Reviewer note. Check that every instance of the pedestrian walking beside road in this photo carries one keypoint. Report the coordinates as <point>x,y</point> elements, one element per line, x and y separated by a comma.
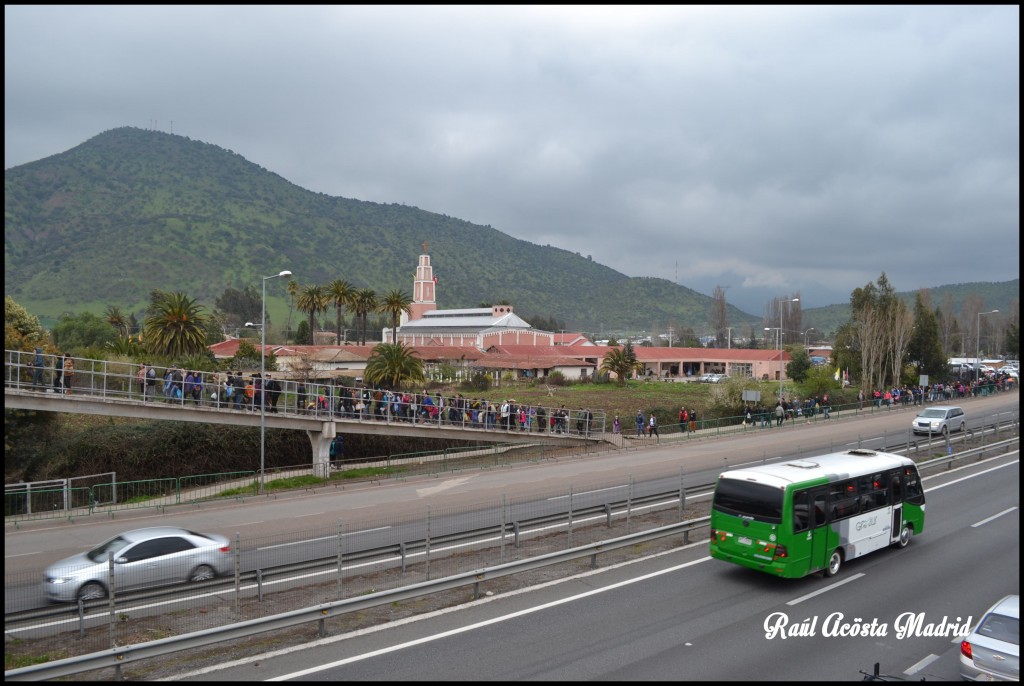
<point>652,426</point>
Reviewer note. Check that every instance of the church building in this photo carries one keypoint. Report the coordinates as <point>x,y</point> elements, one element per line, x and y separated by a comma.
<point>481,328</point>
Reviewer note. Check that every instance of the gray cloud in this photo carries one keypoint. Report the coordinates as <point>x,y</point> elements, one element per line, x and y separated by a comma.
<point>774,151</point>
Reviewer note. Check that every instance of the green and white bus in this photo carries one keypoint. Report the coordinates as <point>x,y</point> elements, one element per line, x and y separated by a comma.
<point>795,518</point>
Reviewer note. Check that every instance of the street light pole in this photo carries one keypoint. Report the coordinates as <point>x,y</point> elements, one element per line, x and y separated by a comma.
<point>807,332</point>
<point>263,370</point>
<point>977,349</point>
<point>781,311</point>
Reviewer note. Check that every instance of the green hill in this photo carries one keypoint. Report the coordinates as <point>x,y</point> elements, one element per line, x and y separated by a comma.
<point>133,210</point>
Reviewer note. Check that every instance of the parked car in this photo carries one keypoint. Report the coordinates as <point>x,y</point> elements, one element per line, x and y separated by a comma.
<point>940,419</point>
<point>712,377</point>
<point>991,651</point>
<point>155,556</point>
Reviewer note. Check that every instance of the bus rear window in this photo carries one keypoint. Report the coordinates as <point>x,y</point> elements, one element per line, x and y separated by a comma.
<point>746,499</point>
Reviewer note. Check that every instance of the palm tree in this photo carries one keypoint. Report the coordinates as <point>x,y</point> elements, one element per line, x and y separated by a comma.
<point>293,292</point>
<point>395,302</point>
<point>340,291</point>
<point>393,365</point>
<point>117,319</point>
<point>618,362</point>
<point>312,300</point>
<point>364,301</point>
<point>175,325</point>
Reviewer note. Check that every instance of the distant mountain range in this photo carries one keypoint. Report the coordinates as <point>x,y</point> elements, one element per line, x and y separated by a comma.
<point>131,210</point>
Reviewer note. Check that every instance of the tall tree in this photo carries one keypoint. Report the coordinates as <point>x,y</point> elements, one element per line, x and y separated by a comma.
<point>175,325</point>
<point>719,317</point>
<point>340,292</point>
<point>22,330</point>
<point>393,304</point>
<point>292,289</point>
<point>312,300</point>
<point>116,318</point>
<point>75,332</point>
<point>925,351</point>
<point>882,324</point>
<point>363,303</point>
<point>240,306</point>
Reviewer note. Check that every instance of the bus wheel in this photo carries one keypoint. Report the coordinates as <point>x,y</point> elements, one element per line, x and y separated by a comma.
<point>905,534</point>
<point>835,561</point>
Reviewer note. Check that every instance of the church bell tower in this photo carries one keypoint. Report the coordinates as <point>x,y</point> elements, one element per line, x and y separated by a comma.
<point>423,287</point>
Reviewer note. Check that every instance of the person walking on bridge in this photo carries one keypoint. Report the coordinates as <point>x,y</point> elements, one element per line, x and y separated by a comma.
<point>58,373</point>
<point>69,372</point>
<point>37,369</point>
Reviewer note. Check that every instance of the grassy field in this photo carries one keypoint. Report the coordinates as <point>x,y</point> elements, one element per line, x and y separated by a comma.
<point>663,399</point>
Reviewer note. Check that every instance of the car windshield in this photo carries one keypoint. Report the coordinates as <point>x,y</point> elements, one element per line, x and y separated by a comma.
<point>1001,628</point>
<point>933,414</point>
<point>99,553</point>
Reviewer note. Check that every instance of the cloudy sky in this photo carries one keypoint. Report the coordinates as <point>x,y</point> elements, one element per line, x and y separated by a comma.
<point>771,151</point>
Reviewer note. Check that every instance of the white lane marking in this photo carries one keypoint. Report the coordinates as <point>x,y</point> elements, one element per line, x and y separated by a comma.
<point>579,493</point>
<point>965,478</point>
<point>837,584</point>
<point>322,538</point>
<point>478,625</point>
<point>922,664</point>
<point>989,519</point>
<point>450,483</point>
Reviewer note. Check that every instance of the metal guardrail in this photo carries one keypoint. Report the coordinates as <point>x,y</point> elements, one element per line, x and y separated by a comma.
<point>122,655</point>
<point>395,551</point>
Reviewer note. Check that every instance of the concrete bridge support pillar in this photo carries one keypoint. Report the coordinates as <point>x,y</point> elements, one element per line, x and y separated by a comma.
<point>321,441</point>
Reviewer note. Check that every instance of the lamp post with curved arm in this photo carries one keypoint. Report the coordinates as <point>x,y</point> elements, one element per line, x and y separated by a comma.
<point>809,329</point>
<point>263,370</point>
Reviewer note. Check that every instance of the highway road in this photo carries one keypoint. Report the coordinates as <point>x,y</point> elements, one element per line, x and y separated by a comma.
<point>32,545</point>
<point>681,616</point>
<point>363,507</point>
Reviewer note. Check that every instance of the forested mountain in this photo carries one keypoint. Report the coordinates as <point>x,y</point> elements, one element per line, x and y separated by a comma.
<point>133,210</point>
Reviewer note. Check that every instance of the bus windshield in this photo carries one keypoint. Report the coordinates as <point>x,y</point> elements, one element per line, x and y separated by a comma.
<point>745,499</point>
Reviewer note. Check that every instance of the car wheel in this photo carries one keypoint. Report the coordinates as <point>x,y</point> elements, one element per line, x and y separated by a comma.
<point>945,430</point>
<point>202,573</point>
<point>835,561</point>
<point>905,533</point>
<point>962,427</point>
<point>92,590</point>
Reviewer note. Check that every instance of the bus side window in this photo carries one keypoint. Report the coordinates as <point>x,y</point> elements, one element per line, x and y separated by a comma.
<point>801,517</point>
<point>874,492</point>
<point>819,508</point>
<point>844,499</point>
<point>897,489</point>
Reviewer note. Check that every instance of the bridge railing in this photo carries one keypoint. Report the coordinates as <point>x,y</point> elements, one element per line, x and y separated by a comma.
<point>222,391</point>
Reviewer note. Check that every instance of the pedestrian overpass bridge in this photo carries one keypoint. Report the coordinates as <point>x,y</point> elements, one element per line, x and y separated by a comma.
<point>111,389</point>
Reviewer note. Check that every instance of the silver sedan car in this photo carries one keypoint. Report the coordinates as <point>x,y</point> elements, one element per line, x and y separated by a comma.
<point>142,558</point>
<point>991,652</point>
